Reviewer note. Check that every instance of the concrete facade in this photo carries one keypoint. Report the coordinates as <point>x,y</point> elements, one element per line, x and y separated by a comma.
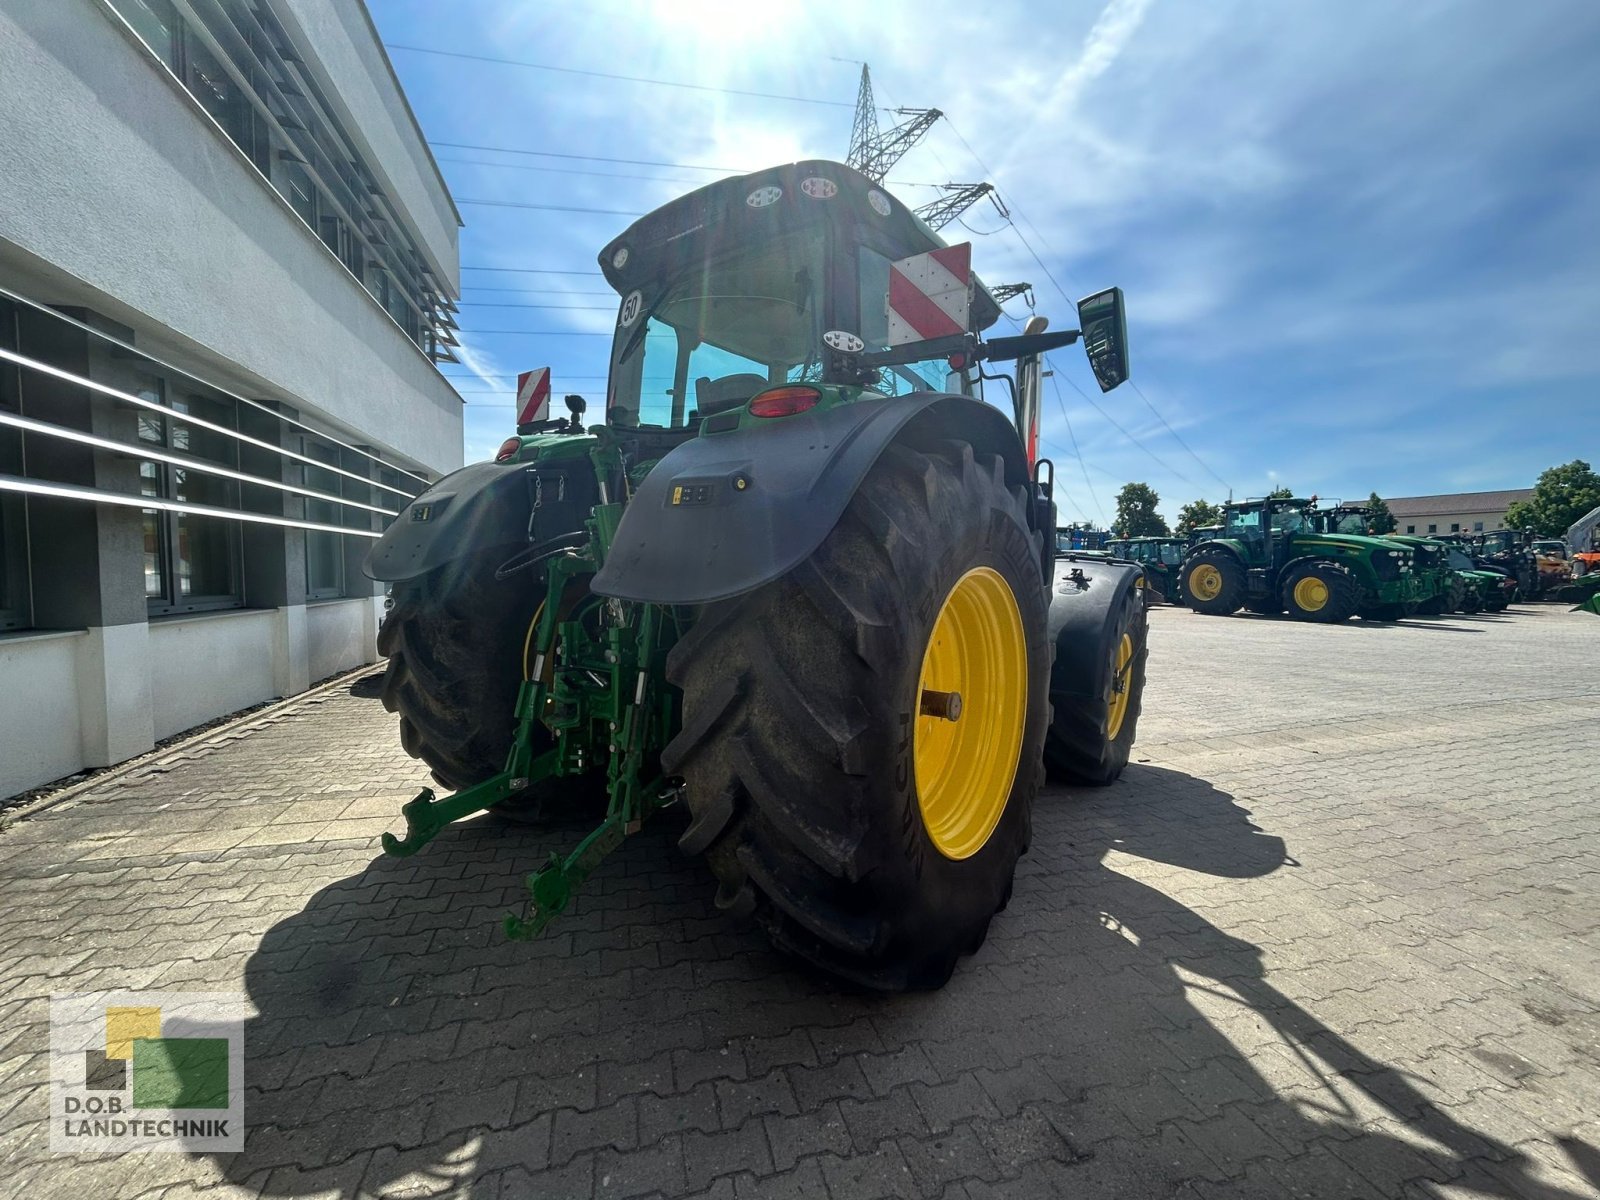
<point>145,253</point>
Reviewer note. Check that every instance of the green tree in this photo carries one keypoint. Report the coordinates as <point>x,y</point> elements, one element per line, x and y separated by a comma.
<point>1195,514</point>
<point>1561,495</point>
<point>1280,493</point>
<point>1136,512</point>
<point>1381,520</point>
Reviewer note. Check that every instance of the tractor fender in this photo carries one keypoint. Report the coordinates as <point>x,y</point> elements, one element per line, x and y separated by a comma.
<point>485,504</point>
<point>724,514</point>
<point>1086,597</point>
<point>1344,564</point>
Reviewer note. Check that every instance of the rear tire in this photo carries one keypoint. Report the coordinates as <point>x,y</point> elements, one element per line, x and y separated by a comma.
<point>454,639</point>
<point>1081,746</point>
<point>800,737</point>
<point>1219,595</point>
<point>1335,600</point>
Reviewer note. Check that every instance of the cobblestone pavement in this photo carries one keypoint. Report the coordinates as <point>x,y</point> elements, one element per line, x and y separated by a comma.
<point>1334,934</point>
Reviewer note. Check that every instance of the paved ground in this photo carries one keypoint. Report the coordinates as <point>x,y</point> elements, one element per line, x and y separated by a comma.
<point>1334,935</point>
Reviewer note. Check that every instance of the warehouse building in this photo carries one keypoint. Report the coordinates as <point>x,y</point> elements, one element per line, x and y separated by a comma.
<point>228,265</point>
<point>1459,512</point>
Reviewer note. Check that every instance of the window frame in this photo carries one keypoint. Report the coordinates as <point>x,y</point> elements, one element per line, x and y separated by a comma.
<point>16,579</point>
<point>170,601</point>
<point>328,512</point>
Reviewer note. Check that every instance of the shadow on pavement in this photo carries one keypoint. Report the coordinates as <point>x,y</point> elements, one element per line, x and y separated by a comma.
<point>402,1043</point>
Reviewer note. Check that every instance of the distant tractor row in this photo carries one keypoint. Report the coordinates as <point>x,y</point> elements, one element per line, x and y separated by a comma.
<point>1322,564</point>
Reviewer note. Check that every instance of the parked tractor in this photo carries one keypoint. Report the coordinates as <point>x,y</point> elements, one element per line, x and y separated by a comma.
<point>1443,584</point>
<point>1496,588</point>
<point>1509,551</point>
<point>1270,558</point>
<point>802,579</point>
<point>1161,558</point>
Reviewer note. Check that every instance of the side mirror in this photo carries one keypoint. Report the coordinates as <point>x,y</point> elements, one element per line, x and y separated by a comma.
<point>1105,336</point>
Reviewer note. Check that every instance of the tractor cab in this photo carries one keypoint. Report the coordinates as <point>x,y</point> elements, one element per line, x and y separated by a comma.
<point>734,288</point>
<point>1344,518</point>
<point>1267,529</point>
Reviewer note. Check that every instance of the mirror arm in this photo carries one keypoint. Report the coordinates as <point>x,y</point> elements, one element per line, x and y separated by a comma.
<point>1002,349</point>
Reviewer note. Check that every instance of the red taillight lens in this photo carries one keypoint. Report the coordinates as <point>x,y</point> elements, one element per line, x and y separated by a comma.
<point>509,449</point>
<point>784,401</point>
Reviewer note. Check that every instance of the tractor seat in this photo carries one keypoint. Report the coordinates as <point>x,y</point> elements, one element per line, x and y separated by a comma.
<point>719,395</point>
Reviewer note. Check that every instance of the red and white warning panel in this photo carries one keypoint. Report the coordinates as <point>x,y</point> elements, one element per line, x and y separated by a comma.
<point>533,396</point>
<point>930,295</point>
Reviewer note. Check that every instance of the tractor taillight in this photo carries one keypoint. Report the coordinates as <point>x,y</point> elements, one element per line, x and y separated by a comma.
<point>509,449</point>
<point>784,401</point>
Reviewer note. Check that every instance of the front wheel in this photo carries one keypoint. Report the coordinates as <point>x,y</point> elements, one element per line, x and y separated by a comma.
<point>1214,582</point>
<point>1091,736</point>
<point>862,739</point>
<point>1322,592</point>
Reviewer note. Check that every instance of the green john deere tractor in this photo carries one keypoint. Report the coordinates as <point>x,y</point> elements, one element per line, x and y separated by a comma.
<point>1496,585</point>
<point>1270,557</point>
<point>802,579</point>
<point>1162,558</point>
<point>1445,583</point>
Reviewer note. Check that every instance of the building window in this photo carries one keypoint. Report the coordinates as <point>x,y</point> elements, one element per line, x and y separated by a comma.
<point>324,551</point>
<point>15,600</point>
<point>1433,529</point>
<point>300,192</point>
<point>322,176</point>
<point>1411,528</point>
<point>1455,527</point>
<point>191,561</point>
<point>1477,527</point>
<point>157,26</point>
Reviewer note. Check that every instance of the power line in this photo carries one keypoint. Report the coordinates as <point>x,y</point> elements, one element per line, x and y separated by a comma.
<point>564,307</point>
<point>1114,424</point>
<point>1177,437</point>
<point>1057,284</point>
<point>608,212</point>
<point>484,162</point>
<point>520,291</point>
<point>541,332</point>
<point>529,271</point>
<point>624,162</point>
<point>672,83</point>
<point>1082,466</point>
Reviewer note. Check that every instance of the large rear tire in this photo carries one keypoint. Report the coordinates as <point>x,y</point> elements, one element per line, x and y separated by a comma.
<point>455,640</point>
<point>1215,582</point>
<point>1091,738</point>
<point>821,793</point>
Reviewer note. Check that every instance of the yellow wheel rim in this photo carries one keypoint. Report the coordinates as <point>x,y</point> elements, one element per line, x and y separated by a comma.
<point>965,766</point>
<point>1205,582</point>
<point>1311,594</point>
<point>1120,679</point>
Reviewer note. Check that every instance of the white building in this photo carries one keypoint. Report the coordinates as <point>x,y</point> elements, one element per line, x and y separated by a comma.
<point>1458,512</point>
<point>227,267</point>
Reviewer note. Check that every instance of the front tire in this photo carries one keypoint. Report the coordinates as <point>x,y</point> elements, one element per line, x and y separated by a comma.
<point>817,786</point>
<point>1214,581</point>
<point>1091,737</point>
<point>1322,592</point>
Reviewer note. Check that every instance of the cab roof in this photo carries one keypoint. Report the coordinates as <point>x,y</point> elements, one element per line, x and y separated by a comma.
<point>664,242</point>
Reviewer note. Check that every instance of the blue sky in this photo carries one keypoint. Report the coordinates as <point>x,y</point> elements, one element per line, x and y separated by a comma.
<point>1360,242</point>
